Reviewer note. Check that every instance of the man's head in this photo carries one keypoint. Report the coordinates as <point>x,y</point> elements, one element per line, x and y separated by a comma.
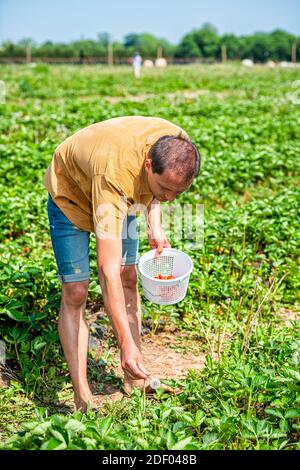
<point>171,166</point>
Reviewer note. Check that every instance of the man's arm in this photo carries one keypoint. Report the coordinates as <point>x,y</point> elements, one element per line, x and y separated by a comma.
<point>156,235</point>
<point>153,214</point>
<point>109,253</point>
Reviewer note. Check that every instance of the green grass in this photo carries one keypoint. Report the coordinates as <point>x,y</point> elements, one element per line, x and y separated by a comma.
<point>247,129</point>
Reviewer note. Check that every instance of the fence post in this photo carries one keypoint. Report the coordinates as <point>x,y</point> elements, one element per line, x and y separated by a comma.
<point>110,55</point>
<point>28,54</point>
<point>294,53</point>
<point>224,54</point>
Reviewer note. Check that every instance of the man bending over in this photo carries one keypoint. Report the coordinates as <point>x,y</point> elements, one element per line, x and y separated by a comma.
<point>96,179</point>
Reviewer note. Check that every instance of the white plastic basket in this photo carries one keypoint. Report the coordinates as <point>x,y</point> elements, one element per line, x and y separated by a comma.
<point>169,262</point>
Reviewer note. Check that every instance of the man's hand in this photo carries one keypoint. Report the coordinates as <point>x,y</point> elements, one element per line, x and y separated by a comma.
<point>132,363</point>
<point>157,238</point>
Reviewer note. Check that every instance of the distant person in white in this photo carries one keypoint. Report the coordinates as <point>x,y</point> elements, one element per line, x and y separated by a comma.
<point>136,64</point>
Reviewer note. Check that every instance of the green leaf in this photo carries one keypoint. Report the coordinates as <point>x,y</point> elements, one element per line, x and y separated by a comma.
<point>166,413</point>
<point>37,344</point>
<point>41,429</point>
<point>15,315</point>
<point>199,418</point>
<point>292,413</point>
<point>105,424</point>
<point>209,438</point>
<point>142,442</point>
<point>293,373</point>
<point>182,444</point>
<point>75,426</point>
<point>274,412</point>
<point>250,424</point>
<point>58,435</point>
<point>187,418</point>
<point>53,444</point>
<point>277,435</point>
<point>284,425</point>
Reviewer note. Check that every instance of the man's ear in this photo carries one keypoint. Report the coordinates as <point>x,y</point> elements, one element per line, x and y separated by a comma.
<point>148,163</point>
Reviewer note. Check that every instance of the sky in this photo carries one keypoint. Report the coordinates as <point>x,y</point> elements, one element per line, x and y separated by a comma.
<point>67,20</point>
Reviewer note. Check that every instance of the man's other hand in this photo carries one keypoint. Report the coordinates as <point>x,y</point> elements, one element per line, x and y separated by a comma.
<point>132,363</point>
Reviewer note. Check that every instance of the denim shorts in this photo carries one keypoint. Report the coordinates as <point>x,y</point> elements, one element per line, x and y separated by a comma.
<point>71,244</point>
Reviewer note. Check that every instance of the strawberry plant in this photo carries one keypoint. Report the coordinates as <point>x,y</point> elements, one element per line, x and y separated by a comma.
<point>248,133</point>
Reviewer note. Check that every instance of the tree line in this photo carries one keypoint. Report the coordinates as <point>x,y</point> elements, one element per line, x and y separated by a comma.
<point>203,43</point>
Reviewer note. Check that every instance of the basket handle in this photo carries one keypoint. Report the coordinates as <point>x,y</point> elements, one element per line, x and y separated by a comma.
<point>153,295</point>
<point>158,295</point>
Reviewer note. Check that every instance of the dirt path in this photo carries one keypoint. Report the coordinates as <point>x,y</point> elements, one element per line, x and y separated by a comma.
<point>289,316</point>
<point>172,97</point>
<point>169,354</point>
<point>165,362</point>
<point>160,359</point>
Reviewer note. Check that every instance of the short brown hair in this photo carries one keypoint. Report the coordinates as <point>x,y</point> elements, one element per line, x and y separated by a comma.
<point>177,154</point>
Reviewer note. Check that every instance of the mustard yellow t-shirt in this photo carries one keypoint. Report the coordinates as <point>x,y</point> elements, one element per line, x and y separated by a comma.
<point>97,174</point>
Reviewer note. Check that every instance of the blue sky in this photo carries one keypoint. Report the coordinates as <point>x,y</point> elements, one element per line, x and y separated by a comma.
<point>65,20</point>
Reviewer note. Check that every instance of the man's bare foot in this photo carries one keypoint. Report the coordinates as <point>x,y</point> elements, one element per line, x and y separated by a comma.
<point>149,391</point>
<point>129,384</point>
<point>82,402</point>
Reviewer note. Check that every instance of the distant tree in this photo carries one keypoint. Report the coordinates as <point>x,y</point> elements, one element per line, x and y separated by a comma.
<point>53,50</point>
<point>9,49</point>
<point>132,41</point>
<point>25,42</point>
<point>263,46</point>
<point>208,41</point>
<point>103,39</point>
<point>18,49</point>
<point>188,47</point>
<point>203,42</point>
<point>257,47</point>
<point>282,44</point>
<point>120,51</point>
<point>233,46</point>
<point>90,48</point>
<point>168,49</point>
<point>147,44</point>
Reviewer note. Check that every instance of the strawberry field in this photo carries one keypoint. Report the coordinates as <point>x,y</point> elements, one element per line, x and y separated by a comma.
<point>241,309</point>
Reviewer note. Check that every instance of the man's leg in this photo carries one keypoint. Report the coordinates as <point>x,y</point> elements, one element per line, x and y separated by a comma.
<point>73,333</point>
<point>71,249</point>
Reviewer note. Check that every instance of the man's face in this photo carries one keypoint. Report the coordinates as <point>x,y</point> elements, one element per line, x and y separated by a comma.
<point>167,186</point>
